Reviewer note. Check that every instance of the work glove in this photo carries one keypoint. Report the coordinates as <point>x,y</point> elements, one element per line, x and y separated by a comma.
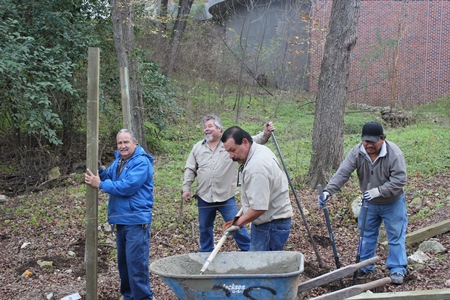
<point>232,230</point>
<point>229,224</point>
<point>323,199</point>
<point>371,194</point>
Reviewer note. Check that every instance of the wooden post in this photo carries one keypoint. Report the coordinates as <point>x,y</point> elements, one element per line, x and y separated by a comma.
<point>90,256</point>
<point>124,87</point>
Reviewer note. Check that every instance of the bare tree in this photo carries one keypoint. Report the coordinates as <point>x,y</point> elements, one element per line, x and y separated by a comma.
<point>164,17</point>
<point>328,136</point>
<point>122,13</point>
<point>184,8</point>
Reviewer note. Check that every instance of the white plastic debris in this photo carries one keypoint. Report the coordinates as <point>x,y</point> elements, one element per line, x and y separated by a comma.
<point>24,245</point>
<point>75,296</point>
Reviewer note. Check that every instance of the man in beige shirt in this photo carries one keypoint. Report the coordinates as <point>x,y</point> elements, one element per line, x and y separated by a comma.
<point>265,192</point>
<point>216,182</point>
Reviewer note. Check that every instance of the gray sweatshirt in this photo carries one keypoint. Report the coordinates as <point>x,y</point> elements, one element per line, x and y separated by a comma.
<point>388,172</point>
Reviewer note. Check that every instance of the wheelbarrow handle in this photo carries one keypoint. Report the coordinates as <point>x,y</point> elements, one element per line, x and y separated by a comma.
<point>354,290</point>
<point>333,275</point>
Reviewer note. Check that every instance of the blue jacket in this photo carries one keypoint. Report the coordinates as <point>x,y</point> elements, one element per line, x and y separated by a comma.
<point>130,194</point>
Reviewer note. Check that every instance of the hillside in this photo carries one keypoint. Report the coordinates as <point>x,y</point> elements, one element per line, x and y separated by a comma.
<point>49,226</point>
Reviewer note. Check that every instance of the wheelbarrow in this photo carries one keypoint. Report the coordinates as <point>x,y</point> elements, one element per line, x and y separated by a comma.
<point>270,275</point>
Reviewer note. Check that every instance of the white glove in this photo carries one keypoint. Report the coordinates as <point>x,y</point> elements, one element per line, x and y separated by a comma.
<point>232,230</point>
<point>323,200</point>
<point>371,194</point>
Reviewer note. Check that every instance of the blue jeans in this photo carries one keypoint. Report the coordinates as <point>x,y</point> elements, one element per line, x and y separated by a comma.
<point>133,255</point>
<point>394,216</point>
<point>270,236</point>
<point>206,217</point>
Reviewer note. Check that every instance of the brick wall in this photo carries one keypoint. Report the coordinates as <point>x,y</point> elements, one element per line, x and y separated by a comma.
<point>402,55</point>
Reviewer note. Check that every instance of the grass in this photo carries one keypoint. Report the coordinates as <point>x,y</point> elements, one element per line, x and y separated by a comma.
<point>424,144</point>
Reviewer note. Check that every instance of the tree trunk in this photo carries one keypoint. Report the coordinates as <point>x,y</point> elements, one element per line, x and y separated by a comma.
<point>184,8</point>
<point>122,13</point>
<point>164,17</point>
<point>328,136</point>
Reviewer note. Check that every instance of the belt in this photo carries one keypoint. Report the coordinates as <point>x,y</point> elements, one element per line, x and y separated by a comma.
<point>276,220</point>
<point>283,219</point>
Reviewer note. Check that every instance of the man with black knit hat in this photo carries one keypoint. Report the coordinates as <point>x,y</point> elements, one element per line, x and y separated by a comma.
<point>381,163</point>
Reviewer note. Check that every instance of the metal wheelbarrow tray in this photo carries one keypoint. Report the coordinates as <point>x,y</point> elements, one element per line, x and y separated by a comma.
<point>271,275</point>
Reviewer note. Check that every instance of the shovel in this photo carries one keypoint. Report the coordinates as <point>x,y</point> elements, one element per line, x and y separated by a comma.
<point>319,259</point>
<point>219,245</point>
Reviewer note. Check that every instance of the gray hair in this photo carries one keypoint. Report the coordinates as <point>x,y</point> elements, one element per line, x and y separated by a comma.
<point>216,119</point>
<point>127,131</point>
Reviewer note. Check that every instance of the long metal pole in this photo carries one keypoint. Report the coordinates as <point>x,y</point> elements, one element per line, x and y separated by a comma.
<point>297,200</point>
<point>364,207</point>
<point>330,233</point>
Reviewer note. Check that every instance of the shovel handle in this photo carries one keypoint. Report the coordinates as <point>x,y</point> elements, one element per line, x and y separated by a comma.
<point>214,253</point>
<point>240,212</point>
<point>218,246</point>
<point>319,187</point>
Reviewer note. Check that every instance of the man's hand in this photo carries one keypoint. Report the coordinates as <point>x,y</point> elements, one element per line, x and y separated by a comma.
<point>186,196</point>
<point>92,179</point>
<point>371,194</point>
<point>323,199</point>
<point>232,230</point>
<point>268,128</point>
<point>229,224</point>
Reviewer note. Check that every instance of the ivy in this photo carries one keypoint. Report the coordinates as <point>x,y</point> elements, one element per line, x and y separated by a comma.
<point>159,99</point>
<point>41,45</point>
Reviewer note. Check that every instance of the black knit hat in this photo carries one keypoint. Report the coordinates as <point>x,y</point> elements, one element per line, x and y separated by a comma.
<point>372,131</point>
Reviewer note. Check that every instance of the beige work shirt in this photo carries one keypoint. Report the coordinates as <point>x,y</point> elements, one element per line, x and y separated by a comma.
<point>216,172</point>
<point>265,185</point>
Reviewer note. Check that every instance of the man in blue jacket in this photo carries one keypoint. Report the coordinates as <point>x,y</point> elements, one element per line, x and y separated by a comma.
<point>129,183</point>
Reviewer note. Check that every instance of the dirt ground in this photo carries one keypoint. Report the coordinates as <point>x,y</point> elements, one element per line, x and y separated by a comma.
<point>63,243</point>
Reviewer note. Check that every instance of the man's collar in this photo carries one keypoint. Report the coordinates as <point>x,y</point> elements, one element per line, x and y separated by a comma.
<point>383,150</point>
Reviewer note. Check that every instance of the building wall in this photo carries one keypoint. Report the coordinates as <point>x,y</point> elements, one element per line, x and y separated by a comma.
<point>271,37</point>
<point>402,55</point>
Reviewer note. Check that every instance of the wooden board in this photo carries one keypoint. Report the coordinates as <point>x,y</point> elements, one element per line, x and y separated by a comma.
<point>423,233</point>
<point>439,294</point>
